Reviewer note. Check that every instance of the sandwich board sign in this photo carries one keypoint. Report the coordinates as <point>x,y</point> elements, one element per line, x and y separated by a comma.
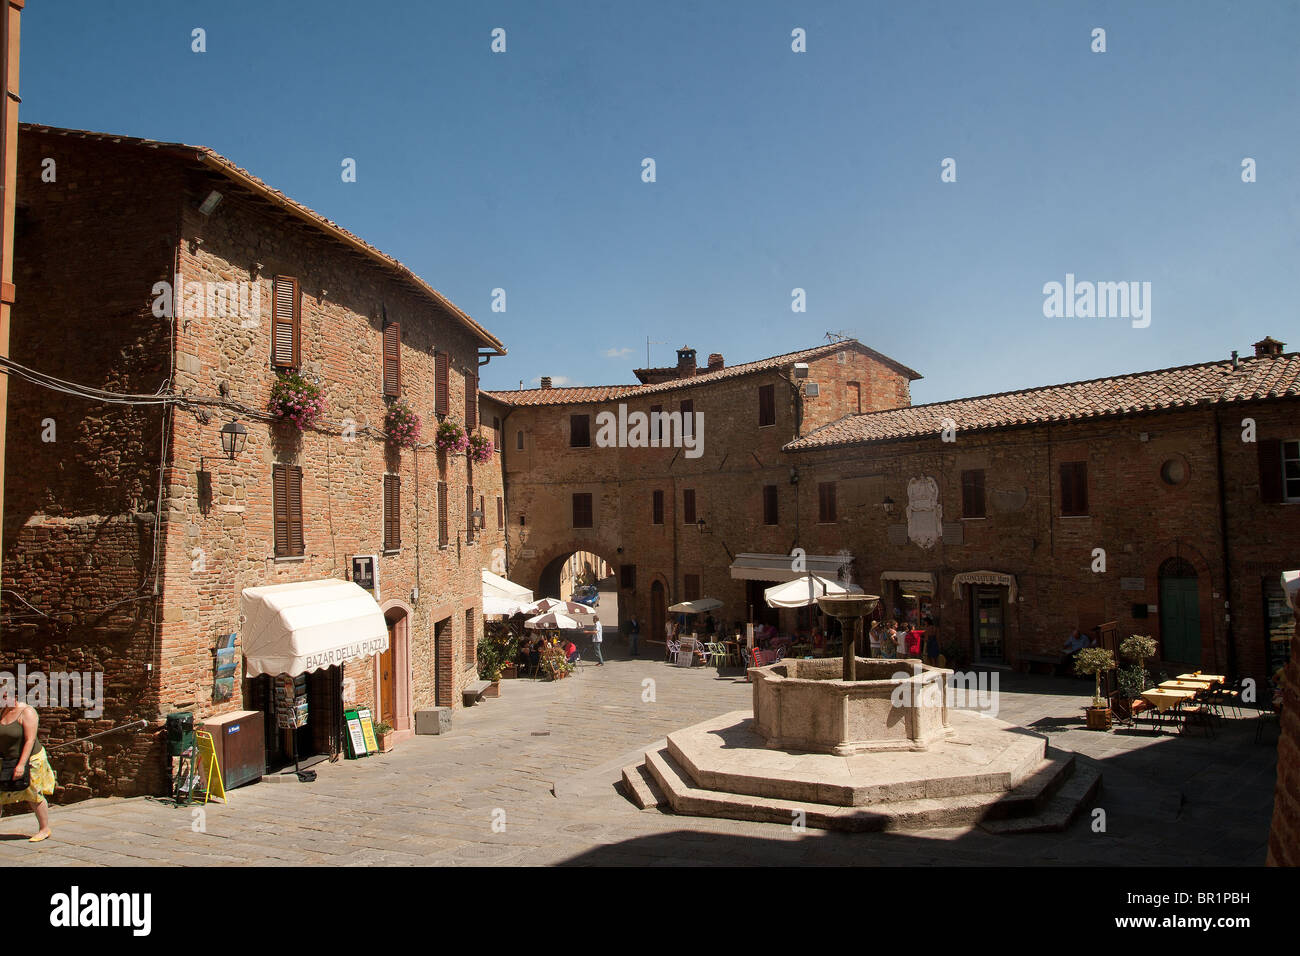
<point>368,730</point>
<point>356,739</point>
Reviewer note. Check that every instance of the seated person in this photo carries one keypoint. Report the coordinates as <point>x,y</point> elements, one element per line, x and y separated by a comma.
<point>570,651</point>
<point>1070,649</point>
<point>534,653</point>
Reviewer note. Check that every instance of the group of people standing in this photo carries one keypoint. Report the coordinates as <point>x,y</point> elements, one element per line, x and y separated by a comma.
<point>890,639</point>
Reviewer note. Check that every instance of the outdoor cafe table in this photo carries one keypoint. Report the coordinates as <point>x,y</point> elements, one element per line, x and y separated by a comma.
<point>1162,699</point>
<point>1211,678</point>
<point>1195,685</point>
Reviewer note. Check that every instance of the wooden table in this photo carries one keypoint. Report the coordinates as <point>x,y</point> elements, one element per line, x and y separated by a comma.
<point>1165,701</point>
<point>1212,678</point>
<point>1197,685</point>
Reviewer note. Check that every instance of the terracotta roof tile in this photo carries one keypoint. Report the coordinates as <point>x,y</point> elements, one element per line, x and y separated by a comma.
<point>1190,385</point>
<point>601,393</point>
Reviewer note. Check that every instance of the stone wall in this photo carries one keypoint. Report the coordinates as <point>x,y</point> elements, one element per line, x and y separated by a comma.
<point>1284,838</point>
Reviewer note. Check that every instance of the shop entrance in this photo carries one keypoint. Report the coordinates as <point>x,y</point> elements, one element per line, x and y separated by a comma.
<point>658,612</point>
<point>393,672</point>
<point>321,733</point>
<point>987,625</point>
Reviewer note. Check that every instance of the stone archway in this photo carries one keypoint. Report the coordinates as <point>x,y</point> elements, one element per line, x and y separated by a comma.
<point>1177,560</point>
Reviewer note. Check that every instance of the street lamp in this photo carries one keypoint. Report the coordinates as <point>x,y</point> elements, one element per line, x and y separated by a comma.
<point>233,438</point>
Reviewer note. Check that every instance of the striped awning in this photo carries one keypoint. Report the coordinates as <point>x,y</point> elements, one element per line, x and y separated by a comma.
<point>994,578</point>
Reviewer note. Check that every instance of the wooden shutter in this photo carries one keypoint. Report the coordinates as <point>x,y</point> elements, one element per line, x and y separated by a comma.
<point>392,512</point>
<point>1270,470</point>
<point>582,511</point>
<point>688,506</point>
<point>501,513</point>
<point>579,431</point>
<point>441,402</point>
<point>691,585</point>
<point>826,502</point>
<point>657,508</point>
<point>286,313</point>
<point>767,405</point>
<point>393,359</point>
<point>688,418</point>
<point>471,400</point>
<point>443,524</point>
<point>972,493</point>
<point>293,510</point>
<point>627,577</point>
<point>280,498</point>
<point>469,514</point>
<point>656,423</point>
<point>769,505</point>
<point>1074,488</point>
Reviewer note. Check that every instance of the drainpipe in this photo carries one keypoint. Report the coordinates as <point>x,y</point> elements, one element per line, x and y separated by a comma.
<point>1226,557</point>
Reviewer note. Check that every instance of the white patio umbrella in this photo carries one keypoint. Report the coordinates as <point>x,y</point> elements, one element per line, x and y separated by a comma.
<point>493,605</point>
<point>554,619</point>
<point>569,608</point>
<point>805,590</point>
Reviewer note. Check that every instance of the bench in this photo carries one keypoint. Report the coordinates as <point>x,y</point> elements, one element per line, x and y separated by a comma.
<point>1027,662</point>
<point>473,692</point>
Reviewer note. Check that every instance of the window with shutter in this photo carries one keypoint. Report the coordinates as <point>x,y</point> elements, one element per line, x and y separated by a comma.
<point>657,508</point>
<point>579,431</point>
<point>688,506</point>
<point>691,585</point>
<point>286,507</point>
<point>688,418</point>
<point>1272,486</point>
<point>766,405</point>
<point>627,577</point>
<point>656,422</point>
<point>441,387</point>
<point>501,513</point>
<point>972,493</point>
<point>469,514</point>
<point>769,504</point>
<point>392,512</point>
<point>1291,470</point>
<point>519,440</point>
<point>854,397</point>
<point>286,316</point>
<point>582,514</point>
<point>1074,488</point>
<point>471,400</point>
<point>826,502</point>
<point>393,359</point>
<point>444,532</point>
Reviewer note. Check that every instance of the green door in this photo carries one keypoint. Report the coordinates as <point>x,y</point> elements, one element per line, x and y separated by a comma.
<point>1180,619</point>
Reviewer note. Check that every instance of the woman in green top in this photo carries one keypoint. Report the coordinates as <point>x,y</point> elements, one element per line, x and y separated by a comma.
<point>18,725</point>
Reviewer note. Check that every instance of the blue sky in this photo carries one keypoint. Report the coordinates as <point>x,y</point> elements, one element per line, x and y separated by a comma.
<point>775,170</point>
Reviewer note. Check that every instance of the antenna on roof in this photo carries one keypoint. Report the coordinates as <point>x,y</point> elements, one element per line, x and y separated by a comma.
<point>649,343</point>
<point>837,336</point>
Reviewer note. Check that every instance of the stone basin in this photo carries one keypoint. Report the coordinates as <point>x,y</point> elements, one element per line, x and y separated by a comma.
<point>803,705</point>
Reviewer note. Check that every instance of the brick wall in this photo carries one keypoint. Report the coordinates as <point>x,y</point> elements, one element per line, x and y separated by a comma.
<point>81,513</point>
<point>1284,838</point>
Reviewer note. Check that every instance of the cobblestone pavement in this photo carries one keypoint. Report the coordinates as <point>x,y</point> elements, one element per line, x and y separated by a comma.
<point>544,757</point>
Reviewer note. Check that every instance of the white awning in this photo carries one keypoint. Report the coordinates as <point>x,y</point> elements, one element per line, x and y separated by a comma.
<point>804,591</point>
<point>500,587</point>
<point>922,580</point>
<point>698,606</point>
<point>780,567</point>
<point>298,628</point>
<point>995,578</point>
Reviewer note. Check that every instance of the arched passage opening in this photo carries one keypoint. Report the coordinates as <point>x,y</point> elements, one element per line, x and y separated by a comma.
<point>586,577</point>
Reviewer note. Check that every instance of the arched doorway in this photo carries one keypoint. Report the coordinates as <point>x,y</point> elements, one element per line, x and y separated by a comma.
<point>393,671</point>
<point>1180,613</point>
<point>586,577</point>
<point>658,611</point>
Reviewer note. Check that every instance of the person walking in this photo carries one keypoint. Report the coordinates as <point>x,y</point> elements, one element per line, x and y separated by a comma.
<point>633,634</point>
<point>597,639</point>
<point>22,758</point>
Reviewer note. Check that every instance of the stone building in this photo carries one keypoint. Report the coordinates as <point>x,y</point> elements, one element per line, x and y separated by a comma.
<point>1163,501</point>
<point>152,269</point>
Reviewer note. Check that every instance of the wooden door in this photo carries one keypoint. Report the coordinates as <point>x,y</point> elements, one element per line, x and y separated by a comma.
<point>1180,615</point>
<point>658,612</point>
<point>387,681</point>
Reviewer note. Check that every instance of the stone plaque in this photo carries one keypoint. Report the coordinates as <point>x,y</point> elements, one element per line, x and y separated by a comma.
<point>1132,584</point>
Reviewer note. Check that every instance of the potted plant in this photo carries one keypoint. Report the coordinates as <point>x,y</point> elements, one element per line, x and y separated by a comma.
<point>1138,647</point>
<point>481,448</point>
<point>451,437</point>
<point>1095,661</point>
<point>296,400</point>
<point>384,736</point>
<point>402,425</point>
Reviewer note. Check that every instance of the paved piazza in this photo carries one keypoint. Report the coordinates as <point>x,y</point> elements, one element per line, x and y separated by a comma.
<point>547,756</point>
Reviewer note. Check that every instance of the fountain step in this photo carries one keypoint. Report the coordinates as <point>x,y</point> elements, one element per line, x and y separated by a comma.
<point>726,754</point>
<point>1059,811</point>
<point>959,811</point>
<point>641,788</point>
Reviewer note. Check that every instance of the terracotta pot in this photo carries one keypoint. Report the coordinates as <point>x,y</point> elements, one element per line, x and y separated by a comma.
<point>385,742</point>
<point>494,689</point>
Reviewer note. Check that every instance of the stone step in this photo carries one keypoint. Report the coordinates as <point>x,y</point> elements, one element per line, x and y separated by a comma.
<point>642,788</point>
<point>1016,764</point>
<point>955,811</point>
<point>1059,811</point>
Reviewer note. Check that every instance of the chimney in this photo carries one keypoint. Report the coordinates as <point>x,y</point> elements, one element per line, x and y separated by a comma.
<point>715,361</point>
<point>685,362</point>
<point>546,381</point>
<point>1267,346</point>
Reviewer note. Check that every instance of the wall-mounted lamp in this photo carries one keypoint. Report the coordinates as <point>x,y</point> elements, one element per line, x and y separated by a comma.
<point>477,517</point>
<point>209,204</point>
<point>233,438</point>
